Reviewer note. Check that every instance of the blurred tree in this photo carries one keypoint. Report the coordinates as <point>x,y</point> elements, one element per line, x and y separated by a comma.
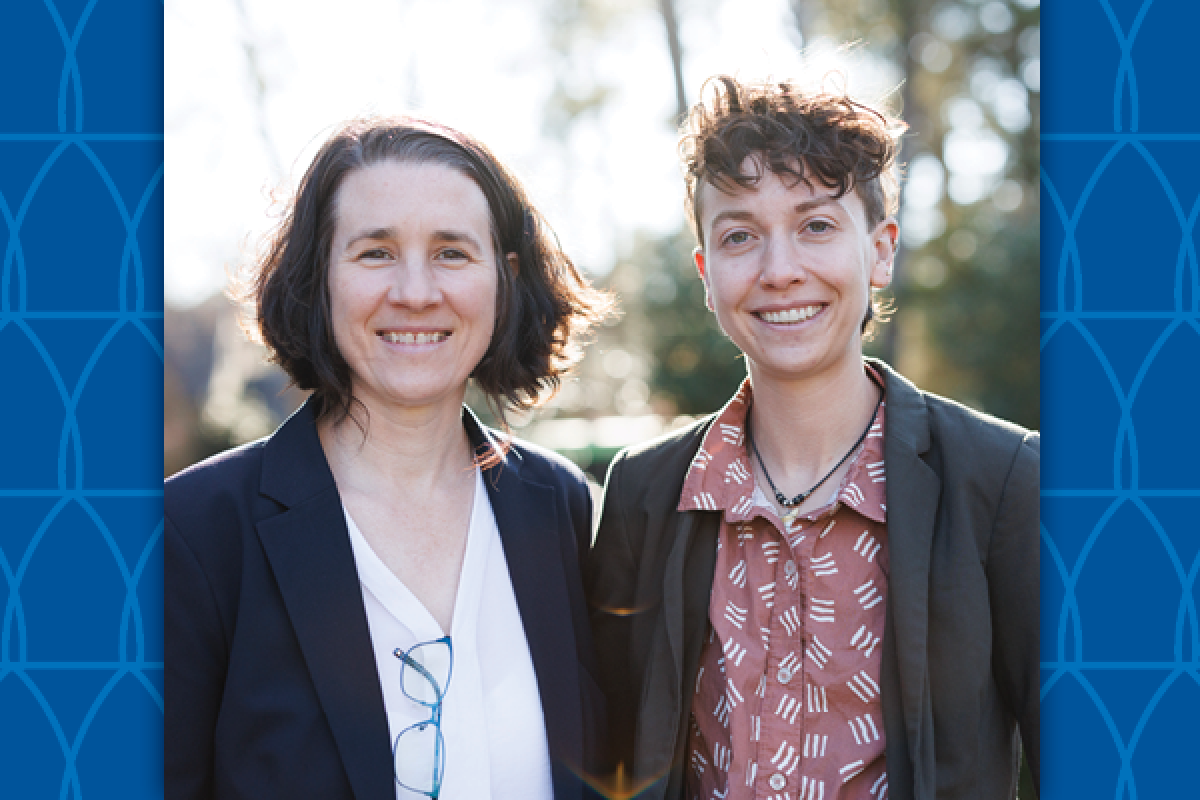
<point>671,26</point>
<point>971,206</point>
<point>575,31</point>
<point>695,369</point>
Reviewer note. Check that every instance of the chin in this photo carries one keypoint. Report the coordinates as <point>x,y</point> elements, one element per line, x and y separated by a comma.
<point>796,367</point>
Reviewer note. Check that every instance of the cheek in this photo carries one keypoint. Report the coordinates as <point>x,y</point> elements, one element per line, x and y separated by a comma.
<point>343,301</point>
<point>477,303</point>
<point>489,294</point>
<point>726,287</point>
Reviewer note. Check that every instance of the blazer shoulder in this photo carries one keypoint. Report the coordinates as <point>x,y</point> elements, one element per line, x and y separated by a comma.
<point>231,470</point>
<point>978,450</point>
<point>543,465</point>
<point>656,468</point>
<point>953,422</point>
<point>218,497</point>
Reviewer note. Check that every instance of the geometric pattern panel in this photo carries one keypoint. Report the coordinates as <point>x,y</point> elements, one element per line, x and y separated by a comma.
<point>81,356</point>
<point>1120,348</point>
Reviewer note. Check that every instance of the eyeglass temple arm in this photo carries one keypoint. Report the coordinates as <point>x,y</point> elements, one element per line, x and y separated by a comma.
<point>410,661</point>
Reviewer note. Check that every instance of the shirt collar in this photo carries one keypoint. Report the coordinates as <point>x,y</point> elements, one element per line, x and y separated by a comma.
<point>720,477</point>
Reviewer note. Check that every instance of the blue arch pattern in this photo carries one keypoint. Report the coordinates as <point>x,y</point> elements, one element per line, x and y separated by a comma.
<point>81,673</point>
<point>1120,346</point>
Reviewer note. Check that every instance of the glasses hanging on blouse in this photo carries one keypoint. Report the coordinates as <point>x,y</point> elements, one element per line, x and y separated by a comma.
<point>419,752</point>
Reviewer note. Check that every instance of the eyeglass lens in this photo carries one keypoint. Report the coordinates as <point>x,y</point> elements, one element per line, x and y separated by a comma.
<point>420,758</point>
<point>425,674</point>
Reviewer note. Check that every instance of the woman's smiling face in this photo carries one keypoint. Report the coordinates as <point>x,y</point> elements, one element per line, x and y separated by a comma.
<point>412,283</point>
<point>789,269</point>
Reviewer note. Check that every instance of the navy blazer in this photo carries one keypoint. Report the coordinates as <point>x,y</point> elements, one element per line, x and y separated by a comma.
<point>271,683</point>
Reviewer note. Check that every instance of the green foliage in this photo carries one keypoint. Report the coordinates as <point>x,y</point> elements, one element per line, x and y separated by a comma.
<point>975,284</point>
<point>696,368</point>
<point>984,319</point>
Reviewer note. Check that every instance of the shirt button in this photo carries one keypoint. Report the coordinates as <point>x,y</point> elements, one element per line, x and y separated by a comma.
<point>777,782</point>
<point>785,675</point>
<point>789,568</point>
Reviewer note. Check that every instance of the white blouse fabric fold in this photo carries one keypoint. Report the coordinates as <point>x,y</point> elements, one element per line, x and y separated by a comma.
<point>492,724</point>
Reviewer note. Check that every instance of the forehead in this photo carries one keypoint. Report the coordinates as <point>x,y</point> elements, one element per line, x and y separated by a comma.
<point>771,194</point>
<point>394,192</point>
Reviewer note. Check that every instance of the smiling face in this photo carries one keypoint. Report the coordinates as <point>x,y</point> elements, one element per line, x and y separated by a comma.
<point>412,283</point>
<point>788,271</point>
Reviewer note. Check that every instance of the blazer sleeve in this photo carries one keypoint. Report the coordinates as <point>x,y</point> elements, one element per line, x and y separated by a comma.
<point>610,580</point>
<point>1013,576</point>
<point>196,655</point>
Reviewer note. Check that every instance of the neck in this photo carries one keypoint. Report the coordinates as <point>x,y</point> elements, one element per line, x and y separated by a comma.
<point>801,429</point>
<point>397,449</point>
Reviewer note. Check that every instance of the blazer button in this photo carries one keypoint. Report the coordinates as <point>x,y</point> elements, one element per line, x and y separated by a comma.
<point>777,782</point>
<point>784,675</point>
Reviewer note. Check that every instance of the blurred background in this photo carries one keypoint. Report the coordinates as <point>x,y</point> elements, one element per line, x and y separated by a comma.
<point>582,99</point>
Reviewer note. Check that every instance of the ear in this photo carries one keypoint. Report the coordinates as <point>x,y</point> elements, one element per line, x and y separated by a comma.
<point>698,257</point>
<point>513,263</point>
<point>883,243</point>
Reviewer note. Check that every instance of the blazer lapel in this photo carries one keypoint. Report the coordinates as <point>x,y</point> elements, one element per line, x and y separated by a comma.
<point>308,547</point>
<point>527,516</point>
<point>913,493</point>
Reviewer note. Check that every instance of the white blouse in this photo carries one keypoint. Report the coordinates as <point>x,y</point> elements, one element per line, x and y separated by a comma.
<point>492,726</point>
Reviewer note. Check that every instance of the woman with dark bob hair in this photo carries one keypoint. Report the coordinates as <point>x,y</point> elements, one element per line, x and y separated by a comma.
<point>382,599</point>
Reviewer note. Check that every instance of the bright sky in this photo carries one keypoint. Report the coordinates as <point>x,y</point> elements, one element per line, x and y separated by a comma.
<point>473,64</point>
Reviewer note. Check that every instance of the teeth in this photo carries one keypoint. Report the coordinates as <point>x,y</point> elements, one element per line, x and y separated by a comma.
<point>414,338</point>
<point>791,315</point>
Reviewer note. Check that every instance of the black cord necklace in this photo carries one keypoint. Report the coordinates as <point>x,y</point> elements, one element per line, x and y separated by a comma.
<point>780,497</point>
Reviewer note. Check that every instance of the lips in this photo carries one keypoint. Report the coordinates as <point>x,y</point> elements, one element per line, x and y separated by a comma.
<point>414,337</point>
<point>790,315</point>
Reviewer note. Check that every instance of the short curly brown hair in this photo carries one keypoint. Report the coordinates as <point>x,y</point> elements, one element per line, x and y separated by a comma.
<point>841,143</point>
<point>542,308</point>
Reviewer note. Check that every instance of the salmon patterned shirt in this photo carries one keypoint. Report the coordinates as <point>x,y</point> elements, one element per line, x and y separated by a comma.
<point>787,700</point>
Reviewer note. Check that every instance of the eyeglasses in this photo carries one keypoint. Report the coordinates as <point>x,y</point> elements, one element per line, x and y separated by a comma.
<point>419,753</point>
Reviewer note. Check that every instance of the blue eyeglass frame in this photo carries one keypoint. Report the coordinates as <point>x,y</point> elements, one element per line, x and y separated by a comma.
<point>435,713</point>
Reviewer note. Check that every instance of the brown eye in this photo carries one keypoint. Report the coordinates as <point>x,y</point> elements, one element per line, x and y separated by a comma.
<point>452,254</point>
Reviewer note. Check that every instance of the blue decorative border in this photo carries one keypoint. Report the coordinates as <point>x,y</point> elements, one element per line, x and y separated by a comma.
<point>81,332</point>
<point>1120,346</point>
<point>81,355</point>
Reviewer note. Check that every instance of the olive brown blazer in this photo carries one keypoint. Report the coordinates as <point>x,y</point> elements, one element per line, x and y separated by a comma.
<point>960,648</point>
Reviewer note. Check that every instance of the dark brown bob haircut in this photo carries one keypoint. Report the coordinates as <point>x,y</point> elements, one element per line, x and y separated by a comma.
<point>542,308</point>
<point>826,138</point>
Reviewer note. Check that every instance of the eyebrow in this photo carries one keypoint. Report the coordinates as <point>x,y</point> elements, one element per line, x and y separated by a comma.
<point>374,233</point>
<point>800,208</point>
<point>457,236</point>
<point>391,233</point>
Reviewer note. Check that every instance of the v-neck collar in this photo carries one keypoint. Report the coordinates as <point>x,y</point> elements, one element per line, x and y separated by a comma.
<point>399,600</point>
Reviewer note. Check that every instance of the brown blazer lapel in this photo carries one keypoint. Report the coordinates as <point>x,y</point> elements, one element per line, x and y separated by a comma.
<point>687,586</point>
<point>913,493</point>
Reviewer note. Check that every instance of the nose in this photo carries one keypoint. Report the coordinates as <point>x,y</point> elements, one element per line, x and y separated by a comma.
<point>414,285</point>
<point>782,265</point>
